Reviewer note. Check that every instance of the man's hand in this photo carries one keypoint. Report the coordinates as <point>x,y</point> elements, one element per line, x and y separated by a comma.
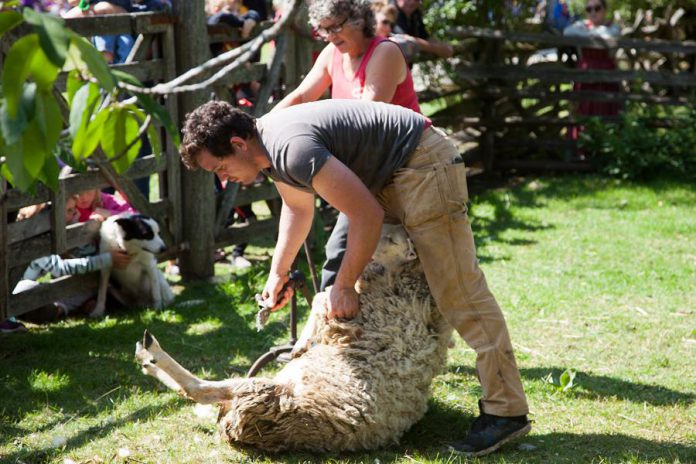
<point>120,259</point>
<point>271,295</point>
<point>343,302</point>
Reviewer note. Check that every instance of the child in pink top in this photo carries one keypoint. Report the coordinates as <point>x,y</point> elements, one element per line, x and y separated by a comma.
<point>95,204</point>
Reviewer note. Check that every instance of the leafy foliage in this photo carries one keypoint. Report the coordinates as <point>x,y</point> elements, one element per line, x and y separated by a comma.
<point>32,120</point>
<point>637,149</point>
<point>566,381</point>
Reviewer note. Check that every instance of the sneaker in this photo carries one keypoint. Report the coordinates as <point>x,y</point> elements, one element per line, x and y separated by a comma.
<point>9,326</point>
<point>489,432</point>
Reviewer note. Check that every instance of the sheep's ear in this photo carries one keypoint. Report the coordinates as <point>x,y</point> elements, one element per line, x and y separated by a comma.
<point>411,253</point>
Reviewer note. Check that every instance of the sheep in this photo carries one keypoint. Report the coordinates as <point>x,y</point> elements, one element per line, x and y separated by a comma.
<point>355,385</point>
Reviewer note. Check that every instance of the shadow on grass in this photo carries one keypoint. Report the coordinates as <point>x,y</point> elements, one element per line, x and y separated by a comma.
<point>81,368</point>
<point>85,436</point>
<point>443,425</point>
<point>593,386</point>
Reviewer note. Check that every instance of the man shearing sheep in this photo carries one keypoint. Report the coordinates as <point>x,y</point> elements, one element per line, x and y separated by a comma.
<point>373,162</point>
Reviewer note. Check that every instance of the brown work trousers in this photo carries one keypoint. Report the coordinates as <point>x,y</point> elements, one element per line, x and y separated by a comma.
<point>428,196</point>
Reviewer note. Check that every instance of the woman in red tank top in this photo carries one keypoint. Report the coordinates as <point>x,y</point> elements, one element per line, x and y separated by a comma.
<point>355,64</point>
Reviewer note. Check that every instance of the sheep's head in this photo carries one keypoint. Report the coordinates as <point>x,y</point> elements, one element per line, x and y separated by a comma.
<point>394,248</point>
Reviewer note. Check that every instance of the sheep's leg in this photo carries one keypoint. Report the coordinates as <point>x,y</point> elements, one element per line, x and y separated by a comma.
<point>157,363</point>
<point>304,342</point>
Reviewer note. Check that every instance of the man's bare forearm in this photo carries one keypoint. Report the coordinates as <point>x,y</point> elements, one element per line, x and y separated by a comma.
<point>363,235</point>
<point>294,226</point>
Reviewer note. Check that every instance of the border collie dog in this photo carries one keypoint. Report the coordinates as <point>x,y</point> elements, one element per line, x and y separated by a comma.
<point>140,283</point>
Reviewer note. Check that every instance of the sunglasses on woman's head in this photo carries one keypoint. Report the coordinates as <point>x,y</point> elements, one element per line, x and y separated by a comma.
<point>593,8</point>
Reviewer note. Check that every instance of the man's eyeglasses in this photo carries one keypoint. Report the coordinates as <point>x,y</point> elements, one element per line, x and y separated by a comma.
<point>335,29</point>
<point>386,22</point>
<point>594,8</point>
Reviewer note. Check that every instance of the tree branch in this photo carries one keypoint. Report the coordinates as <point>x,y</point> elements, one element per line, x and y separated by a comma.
<point>239,57</point>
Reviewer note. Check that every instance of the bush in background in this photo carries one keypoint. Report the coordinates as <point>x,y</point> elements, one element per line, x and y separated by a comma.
<point>640,146</point>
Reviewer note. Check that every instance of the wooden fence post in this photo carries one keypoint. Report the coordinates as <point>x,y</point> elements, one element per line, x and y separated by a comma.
<point>198,205</point>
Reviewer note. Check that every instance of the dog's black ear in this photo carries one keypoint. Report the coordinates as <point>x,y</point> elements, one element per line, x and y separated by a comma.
<point>135,227</point>
<point>129,227</point>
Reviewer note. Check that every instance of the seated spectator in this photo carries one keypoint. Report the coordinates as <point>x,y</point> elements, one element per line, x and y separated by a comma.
<point>79,261</point>
<point>81,8</point>
<point>231,12</point>
<point>409,22</point>
<point>385,18</point>
<point>561,16</point>
<point>97,205</point>
<point>596,25</point>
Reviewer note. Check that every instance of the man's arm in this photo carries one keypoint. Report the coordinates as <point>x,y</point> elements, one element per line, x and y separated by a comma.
<point>339,186</point>
<point>296,218</point>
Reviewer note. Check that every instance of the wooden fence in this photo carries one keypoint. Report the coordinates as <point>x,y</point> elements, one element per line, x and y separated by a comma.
<point>152,60</point>
<point>507,109</point>
<point>515,99</point>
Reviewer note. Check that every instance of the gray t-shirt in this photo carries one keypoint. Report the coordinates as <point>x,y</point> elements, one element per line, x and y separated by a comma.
<point>372,139</point>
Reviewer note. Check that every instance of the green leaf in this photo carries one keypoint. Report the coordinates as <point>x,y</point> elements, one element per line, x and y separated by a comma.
<point>96,63</point>
<point>16,70</point>
<point>83,105</point>
<point>53,35</point>
<point>72,85</point>
<point>113,138</point>
<point>131,133</point>
<point>9,20</point>
<point>13,127</point>
<point>567,379</point>
<point>154,136</point>
<point>125,77</point>
<point>49,174</point>
<point>34,151</point>
<point>49,119</point>
<point>120,130</point>
<point>7,174</point>
<point>16,173</point>
<point>161,114</point>
<point>151,106</point>
<point>89,136</point>
<point>43,71</point>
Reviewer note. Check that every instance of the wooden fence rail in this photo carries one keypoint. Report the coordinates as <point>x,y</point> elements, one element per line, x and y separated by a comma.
<point>506,88</point>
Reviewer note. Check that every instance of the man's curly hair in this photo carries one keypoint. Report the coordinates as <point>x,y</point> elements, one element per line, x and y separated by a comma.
<point>210,127</point>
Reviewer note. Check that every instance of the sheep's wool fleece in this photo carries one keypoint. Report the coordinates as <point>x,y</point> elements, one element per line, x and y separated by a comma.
<point>361,386</point>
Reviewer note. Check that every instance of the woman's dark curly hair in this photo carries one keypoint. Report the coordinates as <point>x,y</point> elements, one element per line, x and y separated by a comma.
<point>210,127</point>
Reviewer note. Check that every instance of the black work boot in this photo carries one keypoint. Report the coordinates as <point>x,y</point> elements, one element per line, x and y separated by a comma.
<point>489,432</point>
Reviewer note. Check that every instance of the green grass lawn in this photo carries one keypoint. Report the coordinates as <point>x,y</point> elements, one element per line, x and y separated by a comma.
<point>597,278</point>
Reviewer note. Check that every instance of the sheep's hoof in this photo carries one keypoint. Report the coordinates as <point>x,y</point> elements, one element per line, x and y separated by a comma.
<point>300,348</point>
<point>147,340</point>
